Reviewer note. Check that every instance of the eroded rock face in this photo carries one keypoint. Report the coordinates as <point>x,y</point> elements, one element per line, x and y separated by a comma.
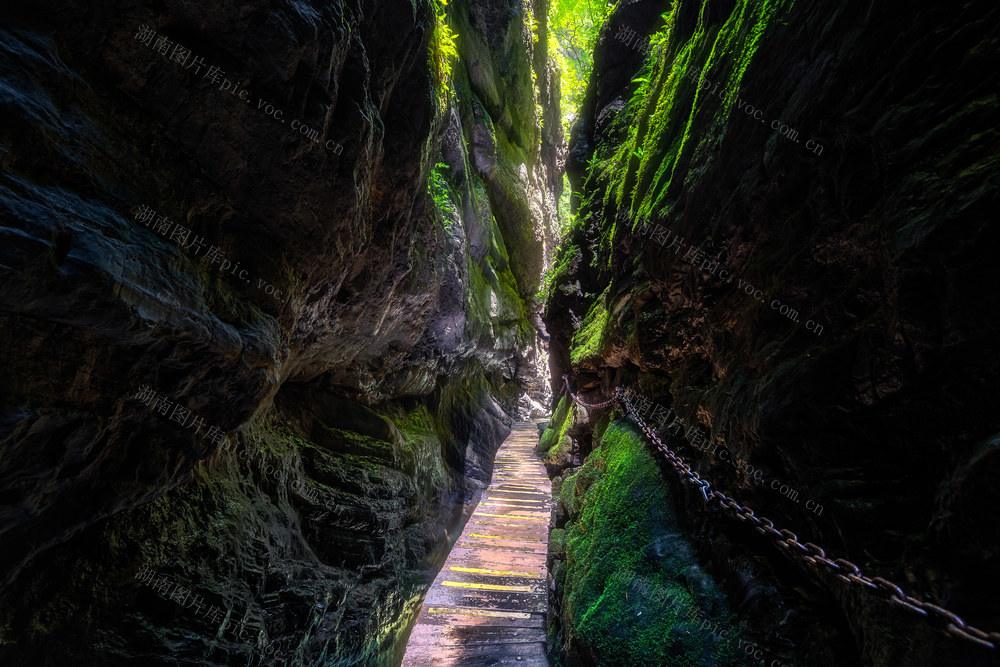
<point>231,215</point>
<point>872,223</point>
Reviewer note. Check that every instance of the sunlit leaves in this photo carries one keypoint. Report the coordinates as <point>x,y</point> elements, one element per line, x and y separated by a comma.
<point>443,51</point>
<point>573,29</point>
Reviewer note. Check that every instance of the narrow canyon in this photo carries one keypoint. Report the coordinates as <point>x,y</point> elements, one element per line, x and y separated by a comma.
<point>483,332</point>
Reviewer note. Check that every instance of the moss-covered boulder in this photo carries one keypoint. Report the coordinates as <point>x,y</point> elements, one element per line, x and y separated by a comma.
<point>631,591</point>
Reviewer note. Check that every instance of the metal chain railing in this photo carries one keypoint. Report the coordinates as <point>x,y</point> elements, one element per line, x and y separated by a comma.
<point>808,552</point>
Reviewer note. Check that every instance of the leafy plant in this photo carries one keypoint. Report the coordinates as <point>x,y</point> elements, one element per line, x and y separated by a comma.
<point>573,29</point>
<point>443,50</point>
<point>533,26</point>
<point>437,186</point>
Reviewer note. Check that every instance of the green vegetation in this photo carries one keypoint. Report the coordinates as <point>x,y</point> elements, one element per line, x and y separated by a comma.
<point>533,27</point>
<point>620,505</point>
<point>568,256</point>
<point>656,127</point>
<point>566,216</point>
<point>590,336</point>
<point>556,427</point>
<point>443,51</point>
<point>554,444</point>
<point>442,55</point>
<point>437,187</point>
<point>573,29</point>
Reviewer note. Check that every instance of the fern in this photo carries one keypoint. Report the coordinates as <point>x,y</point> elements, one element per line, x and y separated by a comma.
<point>443,51</point>
<point>437,188</point>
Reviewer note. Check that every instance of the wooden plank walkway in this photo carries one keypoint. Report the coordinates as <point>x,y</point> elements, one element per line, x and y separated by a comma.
<point>487,605</point>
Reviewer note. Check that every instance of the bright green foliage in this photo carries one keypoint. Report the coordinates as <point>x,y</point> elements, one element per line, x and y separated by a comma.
<point>591,334</point>
<point>624,600</point>
<point>573,29</point>
<point>533,26</point>
<point>437,187</point>
<point>566,214</point>
<point>443,50</point>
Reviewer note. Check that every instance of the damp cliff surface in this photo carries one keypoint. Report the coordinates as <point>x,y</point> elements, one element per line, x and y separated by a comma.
<point>250,357</point>
<point>784,229</point>
<point>630,590</point>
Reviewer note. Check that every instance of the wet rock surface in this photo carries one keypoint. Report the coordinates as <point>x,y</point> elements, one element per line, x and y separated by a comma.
<point>870,401</point>
<point>272,265</point>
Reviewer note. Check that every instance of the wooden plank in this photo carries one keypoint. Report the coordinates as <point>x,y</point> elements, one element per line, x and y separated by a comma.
<point>495,559</point>
<point>442,596</point>
<point>474,579</point>
<point>518,493</point>
<point>530,655</point>
<point>512,527</point>
<point>488,603</point>
<point>431,615</point>
<point>503,546</point>
<point>503,508</point>
<point>470,635</point>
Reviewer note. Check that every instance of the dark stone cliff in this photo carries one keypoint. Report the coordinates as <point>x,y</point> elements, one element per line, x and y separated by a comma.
<point>232,219</point>
<point>867,209</point>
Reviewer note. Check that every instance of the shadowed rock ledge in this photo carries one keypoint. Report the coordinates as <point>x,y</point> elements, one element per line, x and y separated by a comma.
<point>364,348</point>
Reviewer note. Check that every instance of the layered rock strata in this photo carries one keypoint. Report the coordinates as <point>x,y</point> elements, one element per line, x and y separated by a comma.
<point>253,365</point>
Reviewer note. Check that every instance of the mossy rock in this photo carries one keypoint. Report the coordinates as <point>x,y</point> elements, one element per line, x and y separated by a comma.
<point>590,337</point>
<point>555,428</point>
<point>557,543</point>
<point>623,600</point>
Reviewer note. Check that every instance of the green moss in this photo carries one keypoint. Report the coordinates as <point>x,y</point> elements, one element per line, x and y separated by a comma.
<point>654,135</point>
<point>440,192</point>
<point>557,542</point>
<point>568,257</point>
<point>590,336</point>
<point>511,208</point>
<point>622,507</point>
<point>556,427</point>
<point>555,445</point>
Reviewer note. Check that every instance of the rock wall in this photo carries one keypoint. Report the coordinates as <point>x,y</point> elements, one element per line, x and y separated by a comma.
<point>783,237</point>
<point>246,347</point>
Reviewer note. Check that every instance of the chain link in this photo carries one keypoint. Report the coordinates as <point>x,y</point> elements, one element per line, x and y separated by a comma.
<point>589,406</point>
<point>809,553</point>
